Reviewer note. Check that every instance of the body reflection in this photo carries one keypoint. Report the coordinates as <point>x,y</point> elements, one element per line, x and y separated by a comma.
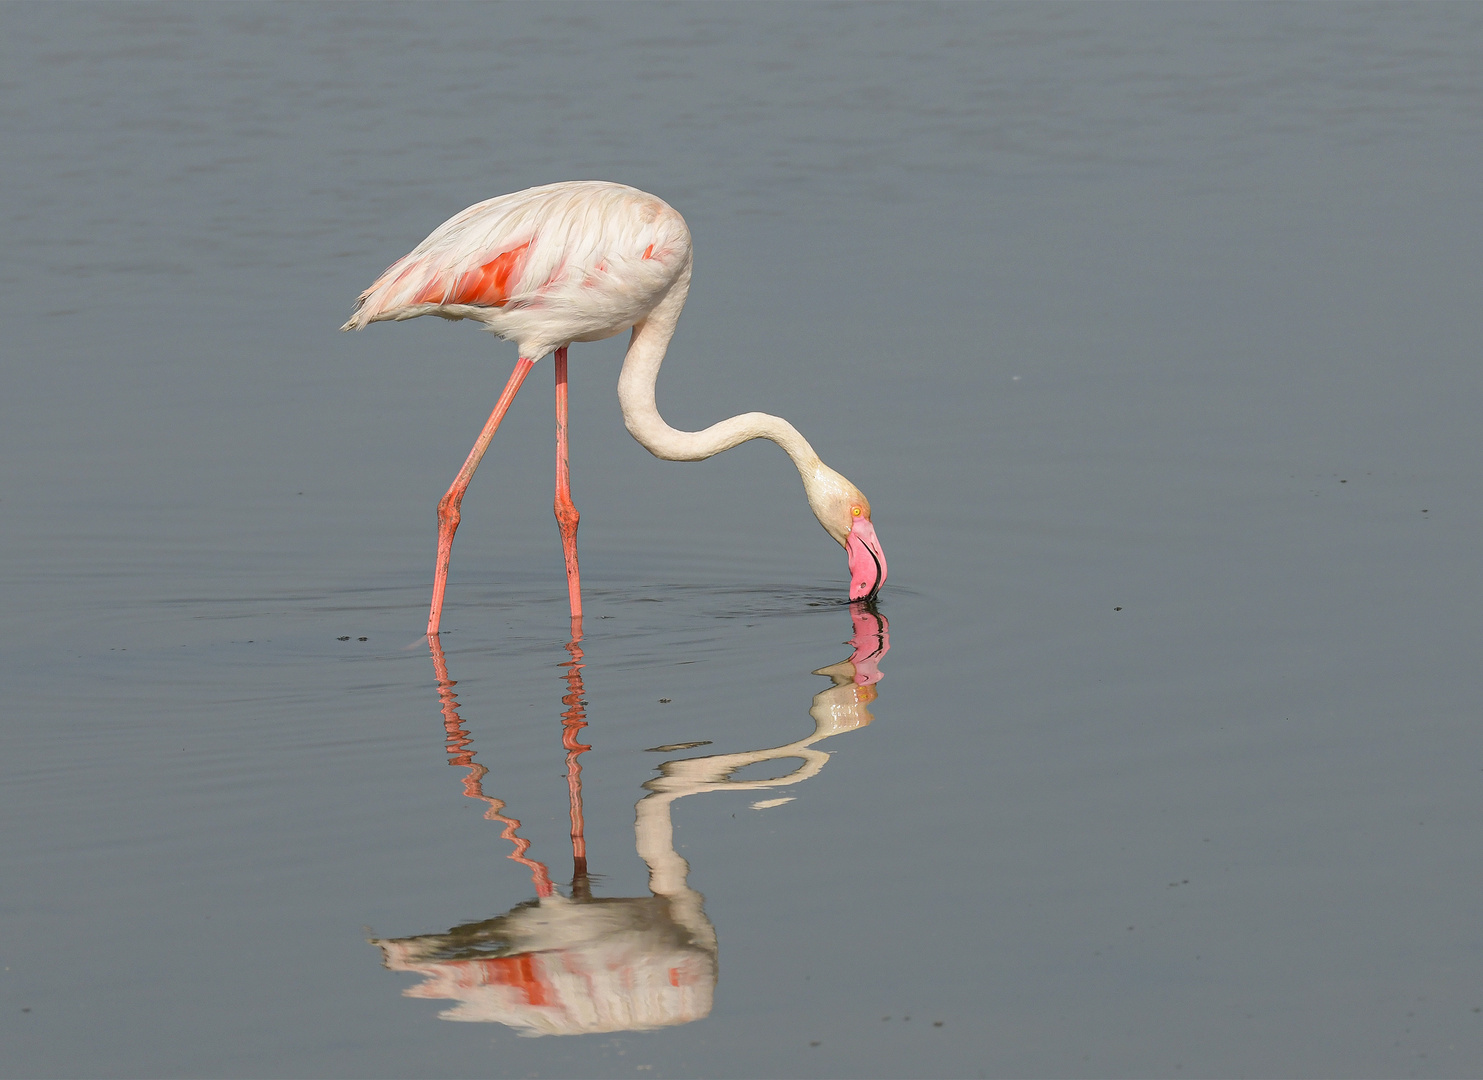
<point>576,964</point>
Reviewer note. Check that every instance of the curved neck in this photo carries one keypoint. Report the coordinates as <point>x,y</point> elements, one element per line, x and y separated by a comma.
<point>640,412</point>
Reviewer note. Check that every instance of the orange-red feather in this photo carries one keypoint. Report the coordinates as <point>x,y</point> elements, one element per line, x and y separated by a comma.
<point>483,286</point>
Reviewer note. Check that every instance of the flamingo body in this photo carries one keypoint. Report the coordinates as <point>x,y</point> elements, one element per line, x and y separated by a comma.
<point>583,261</point>
<point>544,267</point>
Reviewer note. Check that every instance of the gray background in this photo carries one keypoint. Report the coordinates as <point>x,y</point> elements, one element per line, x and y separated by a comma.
<point>1150,331</point>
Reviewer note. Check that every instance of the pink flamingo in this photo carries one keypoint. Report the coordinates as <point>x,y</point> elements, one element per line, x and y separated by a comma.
<point>583,261</point>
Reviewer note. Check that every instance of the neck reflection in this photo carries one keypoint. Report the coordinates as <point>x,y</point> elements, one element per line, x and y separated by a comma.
<point>577,964</point>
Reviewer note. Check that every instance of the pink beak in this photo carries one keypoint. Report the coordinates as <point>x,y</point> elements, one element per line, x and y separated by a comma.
<point>867,560</point>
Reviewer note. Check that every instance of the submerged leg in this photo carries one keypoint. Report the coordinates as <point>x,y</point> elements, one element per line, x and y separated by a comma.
<point>448,505</point>
<point>566,514</point>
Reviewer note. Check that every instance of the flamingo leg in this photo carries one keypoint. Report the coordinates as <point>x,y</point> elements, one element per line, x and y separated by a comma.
<point>448,506</point>
<point>566,513</point>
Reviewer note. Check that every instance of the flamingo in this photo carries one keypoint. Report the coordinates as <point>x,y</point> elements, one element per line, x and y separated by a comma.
<point>577,964</point>
<point>582,261</point>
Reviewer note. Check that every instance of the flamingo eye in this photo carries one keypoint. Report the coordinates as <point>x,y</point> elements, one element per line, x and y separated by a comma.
<point>856,511</point>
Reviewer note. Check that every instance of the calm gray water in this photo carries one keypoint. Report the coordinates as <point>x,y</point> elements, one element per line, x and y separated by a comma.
<point>1152,333</point>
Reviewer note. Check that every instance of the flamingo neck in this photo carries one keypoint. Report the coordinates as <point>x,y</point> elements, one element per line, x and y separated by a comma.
<point>641,413</point>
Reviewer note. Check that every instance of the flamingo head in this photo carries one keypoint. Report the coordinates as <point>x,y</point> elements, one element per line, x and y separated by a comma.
<point>844,511</point>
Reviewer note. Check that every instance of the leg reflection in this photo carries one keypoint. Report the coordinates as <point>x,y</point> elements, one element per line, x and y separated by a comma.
<point>460,753</point>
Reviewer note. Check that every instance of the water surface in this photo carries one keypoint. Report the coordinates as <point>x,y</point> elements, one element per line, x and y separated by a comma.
<point>1151,333</point>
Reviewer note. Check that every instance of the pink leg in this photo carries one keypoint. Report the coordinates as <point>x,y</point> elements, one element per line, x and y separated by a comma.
<point>448,505</point>
<point>566,514</point>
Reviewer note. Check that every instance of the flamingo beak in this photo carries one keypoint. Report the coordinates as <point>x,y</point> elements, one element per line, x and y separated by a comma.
<point>867,560</point>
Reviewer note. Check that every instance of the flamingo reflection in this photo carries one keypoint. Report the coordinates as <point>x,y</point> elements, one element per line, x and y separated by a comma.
<point>577,964</point>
